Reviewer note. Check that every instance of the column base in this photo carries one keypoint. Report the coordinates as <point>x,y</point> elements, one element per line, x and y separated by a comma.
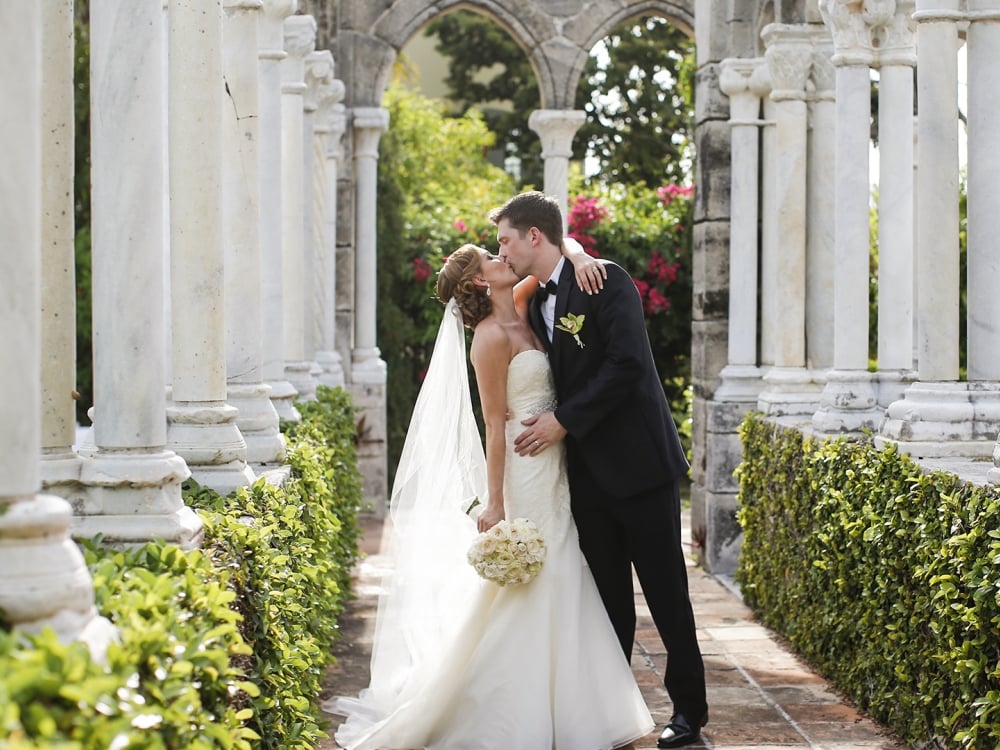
<point>132,497</point>
<point>60,473</point>
<point>368,367</point>
<point>848,404</point>
<point>891,385</point>
<point>45,582</point>
<point>788,391</point>
<point>257,420</point>
<point>943,419</point>
<point>739,383</point>
<point>205,435</point>
<point>300,375</point>
<point>283,395</point>
<point>332,371</point>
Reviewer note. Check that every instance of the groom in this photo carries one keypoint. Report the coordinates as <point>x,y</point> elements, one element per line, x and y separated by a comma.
<point>624,457</point>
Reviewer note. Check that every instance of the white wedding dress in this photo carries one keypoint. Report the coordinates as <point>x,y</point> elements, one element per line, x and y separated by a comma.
<point>530,667</point>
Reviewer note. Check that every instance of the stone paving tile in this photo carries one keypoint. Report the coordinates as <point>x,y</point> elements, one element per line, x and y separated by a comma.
<point>761,696</point>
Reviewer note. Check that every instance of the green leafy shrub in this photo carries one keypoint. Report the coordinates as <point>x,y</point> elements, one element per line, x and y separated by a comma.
<point>222,647</point>
<point>885,577</point>
<point>173,680</point>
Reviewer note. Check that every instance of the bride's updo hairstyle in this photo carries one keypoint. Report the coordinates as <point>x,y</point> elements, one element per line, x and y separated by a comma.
<point>455,280</point>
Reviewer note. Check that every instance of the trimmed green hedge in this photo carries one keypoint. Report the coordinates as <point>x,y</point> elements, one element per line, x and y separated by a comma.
<point>885,577</point>
<point>222,647</point>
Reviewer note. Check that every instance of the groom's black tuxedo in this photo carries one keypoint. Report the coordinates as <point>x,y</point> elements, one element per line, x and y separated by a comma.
<point>611,399</point>
<point>624,460</point>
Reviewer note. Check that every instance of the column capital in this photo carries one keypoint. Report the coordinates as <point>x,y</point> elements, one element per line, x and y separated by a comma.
<point>556,128</point>
<point>899,44</point>
<point>271,27</point>
<point>824,74</point>
<point>736,73</point>
<point>789,59</point>
<point>318,75</point>
<point>299,35</point>
<point>242,4</point>
<point>369,123</point>
<point>851,23</point>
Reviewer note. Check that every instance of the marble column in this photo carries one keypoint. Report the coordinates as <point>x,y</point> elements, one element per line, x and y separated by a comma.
<point>201,426</point>
<point>132,480</point>
<point>760,83</point>
<point>368,370</point>
<point>245,389</point>
<point>938,415</point>
<point>789,388</point>
<point>741,377</point>
<point>60,466</point>
<point>300,39</point>
<point>369,124</point>
<point>43,579</point>
<point>983,41</point>
<point>330,123</point>
<point>556,128</point>
<point>848,400</point>
<point>271,36</point>
<point>896,256</point>
<point>821,268</point>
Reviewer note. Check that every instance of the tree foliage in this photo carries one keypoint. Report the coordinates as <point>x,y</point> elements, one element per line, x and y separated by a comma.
<point>637,91</point>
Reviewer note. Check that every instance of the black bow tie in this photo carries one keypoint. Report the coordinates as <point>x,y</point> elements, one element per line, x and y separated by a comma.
<point>544,290</point>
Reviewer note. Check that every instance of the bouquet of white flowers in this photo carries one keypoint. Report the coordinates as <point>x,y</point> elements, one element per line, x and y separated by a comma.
<point>510,552</point>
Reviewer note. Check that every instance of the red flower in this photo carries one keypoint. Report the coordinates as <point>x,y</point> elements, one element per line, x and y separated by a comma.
<point>421,270</point>
<point>669,193</point>
<point>460,225</point>
<point>656,302</point>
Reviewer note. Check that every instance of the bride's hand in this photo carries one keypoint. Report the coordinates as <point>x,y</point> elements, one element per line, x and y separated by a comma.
<point>590,272</point>
<point>490,517</point>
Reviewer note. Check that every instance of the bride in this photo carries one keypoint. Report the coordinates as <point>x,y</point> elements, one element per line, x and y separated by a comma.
<point>460,663</point>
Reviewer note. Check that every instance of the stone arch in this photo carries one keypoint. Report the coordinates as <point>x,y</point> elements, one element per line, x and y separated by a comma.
<point>556,36</point>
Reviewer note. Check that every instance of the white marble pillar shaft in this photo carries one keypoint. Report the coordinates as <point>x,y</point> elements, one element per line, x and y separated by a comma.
<point>271,37</point>
<point>769,323</point>
<point>937,191</point>
<point>133,482</point>
<point>60,465</point>
<point>556,128</point>
<point>330,125</point>
<point>821,267</point>
<point>257,418</point>
<point>369,124</point>
<point>741,376</point>
<point>299,40</point>
<point>895,218</point>
<point>983,43</point>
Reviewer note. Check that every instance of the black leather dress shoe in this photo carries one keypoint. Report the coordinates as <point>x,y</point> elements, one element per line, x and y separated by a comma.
<point>681,731</point>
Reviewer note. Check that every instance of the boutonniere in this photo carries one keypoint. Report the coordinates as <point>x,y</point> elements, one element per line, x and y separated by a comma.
<point>572,324</point>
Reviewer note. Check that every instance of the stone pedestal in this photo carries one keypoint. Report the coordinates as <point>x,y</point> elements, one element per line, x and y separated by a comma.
<point>271,37</point>
<point>132,481</point>
<point>201,426</point>
<point>257,418</point>
<point>556,128</point>
<point>299,40</point>
<point>945,419</point>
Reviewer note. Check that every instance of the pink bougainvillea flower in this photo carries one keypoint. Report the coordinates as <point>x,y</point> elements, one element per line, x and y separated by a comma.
<point>421,270</point>
<point>460,225</point>
<point>668,193</point>
<point>656,302</point>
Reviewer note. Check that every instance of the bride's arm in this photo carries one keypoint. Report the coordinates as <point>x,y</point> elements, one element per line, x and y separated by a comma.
<point>590,272</point>
<point>490,357</point>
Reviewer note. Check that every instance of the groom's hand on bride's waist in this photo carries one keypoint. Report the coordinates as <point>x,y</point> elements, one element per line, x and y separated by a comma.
<point>541,431</point>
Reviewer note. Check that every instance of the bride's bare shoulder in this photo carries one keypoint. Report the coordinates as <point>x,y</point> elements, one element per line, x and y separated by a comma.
<point>490,340</point>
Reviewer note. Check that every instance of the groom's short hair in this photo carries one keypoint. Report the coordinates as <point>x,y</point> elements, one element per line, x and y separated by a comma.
<point>532,209</point>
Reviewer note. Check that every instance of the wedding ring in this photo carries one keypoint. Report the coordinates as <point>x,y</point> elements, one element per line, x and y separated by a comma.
<point>536,443</point>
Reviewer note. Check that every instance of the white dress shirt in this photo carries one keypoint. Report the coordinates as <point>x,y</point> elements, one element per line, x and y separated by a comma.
<point>549,305</point>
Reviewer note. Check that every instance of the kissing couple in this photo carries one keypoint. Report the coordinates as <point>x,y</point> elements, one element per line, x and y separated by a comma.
<point>579,440</point>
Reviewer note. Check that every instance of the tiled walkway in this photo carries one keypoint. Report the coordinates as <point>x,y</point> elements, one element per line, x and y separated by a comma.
<point>760,695</point>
